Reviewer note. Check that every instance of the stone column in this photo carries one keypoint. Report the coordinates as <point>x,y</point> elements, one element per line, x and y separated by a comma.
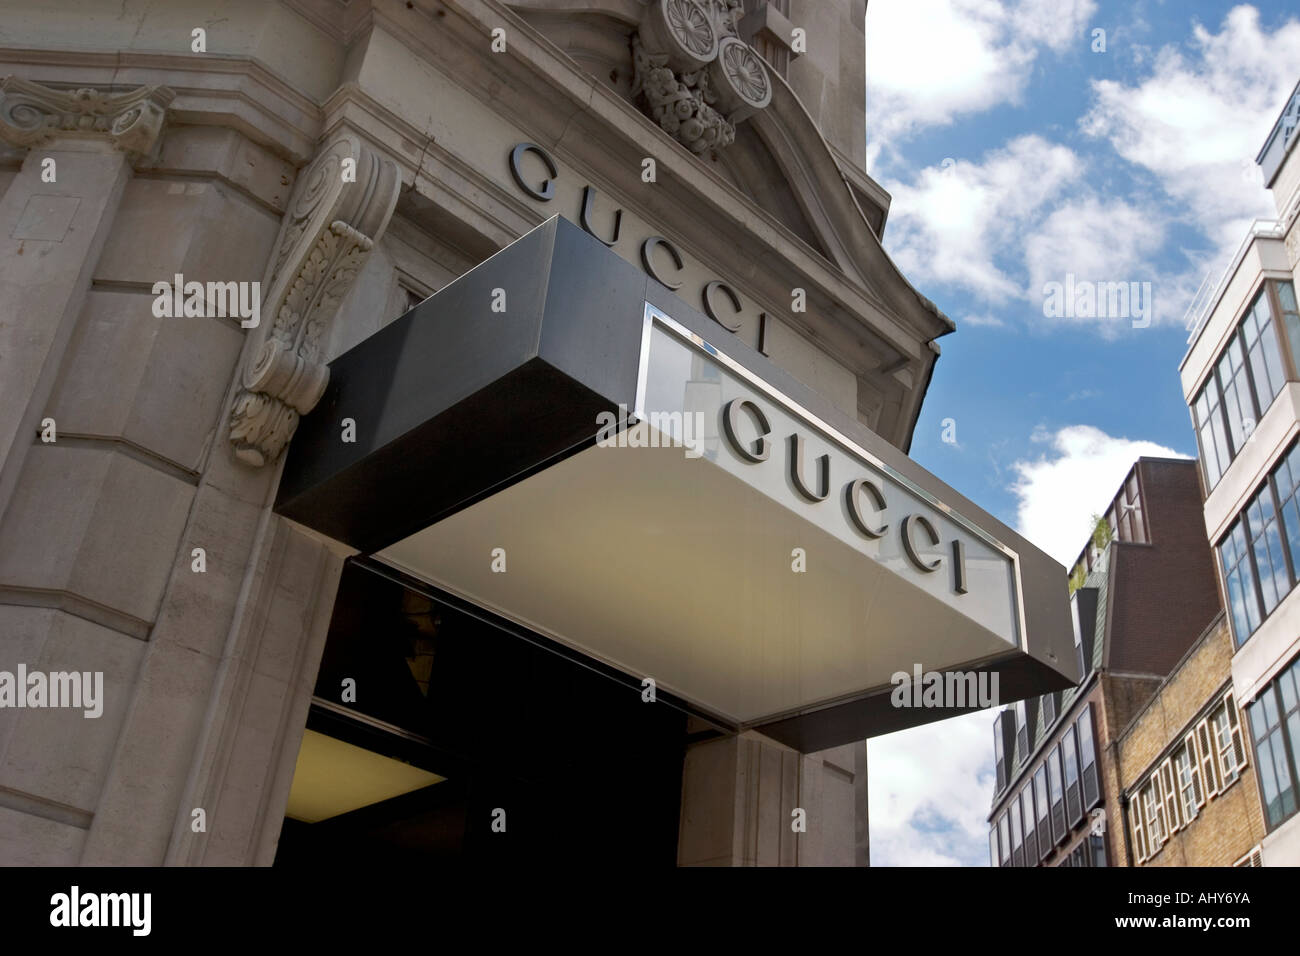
<point>54,219</point>
<point>68,601</point>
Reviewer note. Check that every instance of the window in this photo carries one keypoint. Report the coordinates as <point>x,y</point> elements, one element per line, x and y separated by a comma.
<point>1227,735</point>
<point>1275,728</point>
<point>1004,841</point>
<point>1070,759</point>
<point>1017,834</point>
<point>1049,707</point>
<point>1290,318</point>
<point>1153,808</point>
<point>1031,834</point>
<point>1286,479</point>
<point>1078,644</point>
<point>999,758</point>
<point>1042,808</point>
<point>1264,351</point>
<point>1131,526</point>
<point>1087,758</point>
<point>1022,730</point>
<point>1189,780</point>
<point>1057,795</point>
<point>1097,846</point>
<point>993,846</point>
<point>1266,545</point>
<point>1140,849</point>
<point>1260,554</point>
<point>1234,383</point>
<point>1173,816</point>
<point>1208,758</point>
<point>1207,415</point>
<point>1248,375</point>
<point>1243,599</point>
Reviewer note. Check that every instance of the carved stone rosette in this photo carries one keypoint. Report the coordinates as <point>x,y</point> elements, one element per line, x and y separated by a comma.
<point>31,115</point>
<point>693,73</point>
<point>327,233</point>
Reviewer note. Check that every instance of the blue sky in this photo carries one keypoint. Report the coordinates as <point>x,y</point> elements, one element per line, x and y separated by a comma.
<point>1016,155</point>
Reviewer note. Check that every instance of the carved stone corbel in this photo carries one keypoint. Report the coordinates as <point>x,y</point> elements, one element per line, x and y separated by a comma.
<point>330,227</point>
<point>32,115</point>
<point>694,75</point>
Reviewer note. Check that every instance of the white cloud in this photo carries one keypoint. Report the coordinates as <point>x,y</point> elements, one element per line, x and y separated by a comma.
<point>930,61</point>
<point>1102,241</point>
<point>1058,492</point>
<point>929,789</point>
<point>1201,117</point>
<point>954,221</point>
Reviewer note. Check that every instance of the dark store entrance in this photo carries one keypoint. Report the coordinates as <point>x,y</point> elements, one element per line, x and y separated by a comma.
<point>438,732</point>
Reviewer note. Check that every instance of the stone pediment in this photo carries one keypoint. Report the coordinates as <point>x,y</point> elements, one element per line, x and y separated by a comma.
<point>737,114</point>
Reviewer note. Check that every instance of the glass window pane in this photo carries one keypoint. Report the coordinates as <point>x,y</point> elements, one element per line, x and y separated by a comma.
<point>1054,776</point>
<point>1290,318</point>
<point>1087,752</point>
<point>1265,355</point>
<point>1266,544</point>
<point>1238,410</point>
<point>1068,755</point>
<point>1286,478</point>
<point>1205,412</point>
<point>1240,578</point>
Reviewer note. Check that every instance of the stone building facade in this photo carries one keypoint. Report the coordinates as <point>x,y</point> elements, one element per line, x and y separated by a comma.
<point>198,213</point>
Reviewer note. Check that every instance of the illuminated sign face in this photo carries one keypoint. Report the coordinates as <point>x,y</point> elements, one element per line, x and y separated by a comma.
<point>765,439</point>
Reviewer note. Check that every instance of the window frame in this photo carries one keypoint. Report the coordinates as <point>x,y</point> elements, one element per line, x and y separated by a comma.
<point>1153,805</point>
<point>1265,293</point>
<point>1172,801</point>
<point>1138,821</point>
<point>1209,759</point>
<point>1290,747</point>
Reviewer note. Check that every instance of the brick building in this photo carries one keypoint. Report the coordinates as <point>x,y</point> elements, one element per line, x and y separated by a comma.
<point>1142,593</point>
<point>1188,789</point>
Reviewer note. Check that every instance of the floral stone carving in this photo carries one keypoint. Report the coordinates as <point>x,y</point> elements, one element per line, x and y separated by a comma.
<point>694,75</point>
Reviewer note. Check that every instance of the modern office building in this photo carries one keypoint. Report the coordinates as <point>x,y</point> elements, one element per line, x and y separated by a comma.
<point>1141,593</point>
<point>1187,783</point>
<point>465,430</point>
<point>1241,379</point>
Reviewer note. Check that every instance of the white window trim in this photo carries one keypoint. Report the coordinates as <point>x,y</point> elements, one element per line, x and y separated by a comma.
<point>1208,758</point>
<point>1172,802</point>
<point>1193,759</point>
<point>1186,790</point>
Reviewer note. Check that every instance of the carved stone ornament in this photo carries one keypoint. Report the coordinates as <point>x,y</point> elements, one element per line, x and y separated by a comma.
<point>328,232</point>
<point>31,115</point>
<point>694,75</point>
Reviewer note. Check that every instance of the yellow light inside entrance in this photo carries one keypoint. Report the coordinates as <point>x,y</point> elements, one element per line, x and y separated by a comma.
<point>334,777</point>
